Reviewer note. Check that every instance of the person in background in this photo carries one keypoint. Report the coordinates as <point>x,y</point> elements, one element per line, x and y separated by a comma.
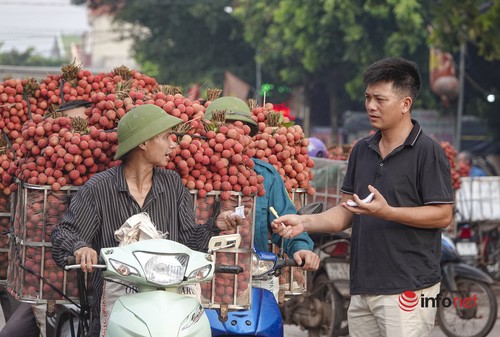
<point>276,195</point>
<point>139,184</point>
<point>317,148</point>
<point>464,158</point>
<point>396,238</point>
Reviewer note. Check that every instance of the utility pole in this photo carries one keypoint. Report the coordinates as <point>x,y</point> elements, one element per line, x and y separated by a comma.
<point>258,81</point>
<point>460,104</point>
<point>483,7</point>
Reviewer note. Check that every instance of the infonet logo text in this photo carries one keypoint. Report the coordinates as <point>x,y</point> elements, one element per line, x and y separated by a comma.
<point>408,301</point>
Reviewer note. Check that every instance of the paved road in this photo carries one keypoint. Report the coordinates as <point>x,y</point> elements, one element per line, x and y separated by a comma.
<point>294,331</point>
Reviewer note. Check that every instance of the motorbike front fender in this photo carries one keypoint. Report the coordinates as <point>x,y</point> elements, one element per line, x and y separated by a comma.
<point>262,319</point>
<point>452,271</point>
<point>157,313</point>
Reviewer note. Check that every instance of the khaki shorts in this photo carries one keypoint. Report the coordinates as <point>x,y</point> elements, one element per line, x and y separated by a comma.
<point>392,315</point>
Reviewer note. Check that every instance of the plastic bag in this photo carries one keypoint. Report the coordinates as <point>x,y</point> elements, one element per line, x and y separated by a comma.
<point>137,228</point>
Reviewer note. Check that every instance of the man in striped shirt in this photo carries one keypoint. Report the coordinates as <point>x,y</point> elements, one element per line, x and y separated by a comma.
<point>139,184</point>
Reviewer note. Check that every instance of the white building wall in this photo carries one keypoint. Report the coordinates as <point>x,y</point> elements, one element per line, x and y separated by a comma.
<point>107,47</point>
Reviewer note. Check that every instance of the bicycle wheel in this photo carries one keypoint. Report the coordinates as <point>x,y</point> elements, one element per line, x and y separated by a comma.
<point>458,320</point>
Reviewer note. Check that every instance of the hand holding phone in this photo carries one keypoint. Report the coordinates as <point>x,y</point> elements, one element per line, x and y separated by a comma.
<point>368,199</point>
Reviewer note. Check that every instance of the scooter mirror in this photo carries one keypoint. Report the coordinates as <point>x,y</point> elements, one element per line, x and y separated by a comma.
<point>224,241</point>
<point>314,208</point>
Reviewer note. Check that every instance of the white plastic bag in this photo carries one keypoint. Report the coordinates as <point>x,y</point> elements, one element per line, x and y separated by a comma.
<point>137,228</point>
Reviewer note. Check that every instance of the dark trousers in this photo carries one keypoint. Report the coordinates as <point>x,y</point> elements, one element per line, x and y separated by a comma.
<point>9,304</point>
<point>20,322</point>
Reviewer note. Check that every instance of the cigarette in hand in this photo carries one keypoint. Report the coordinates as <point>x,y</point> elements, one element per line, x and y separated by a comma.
<point>273,211</point>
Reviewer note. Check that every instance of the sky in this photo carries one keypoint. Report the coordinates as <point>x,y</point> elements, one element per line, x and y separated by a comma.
<point>35,23</point>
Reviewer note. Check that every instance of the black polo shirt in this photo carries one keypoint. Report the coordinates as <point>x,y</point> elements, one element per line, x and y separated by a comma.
<point>389,257</point>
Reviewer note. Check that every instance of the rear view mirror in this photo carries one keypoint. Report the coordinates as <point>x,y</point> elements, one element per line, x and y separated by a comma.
<point>314,208</point>
<point>224,241</point>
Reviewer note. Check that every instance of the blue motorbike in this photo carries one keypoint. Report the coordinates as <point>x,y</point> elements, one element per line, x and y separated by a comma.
<point>263,319</point>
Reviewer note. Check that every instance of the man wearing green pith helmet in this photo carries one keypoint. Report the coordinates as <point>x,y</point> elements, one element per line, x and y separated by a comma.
<point>139,184</point>
<point>276,195</point>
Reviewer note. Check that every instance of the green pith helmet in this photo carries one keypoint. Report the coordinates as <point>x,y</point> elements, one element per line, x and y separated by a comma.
<point>141,124</point>
<point>235,110</point>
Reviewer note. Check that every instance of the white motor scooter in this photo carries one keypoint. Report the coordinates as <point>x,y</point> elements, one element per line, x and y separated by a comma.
<point>158,268</point>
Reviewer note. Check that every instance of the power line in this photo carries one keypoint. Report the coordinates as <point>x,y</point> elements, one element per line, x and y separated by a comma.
<point>478,87</point>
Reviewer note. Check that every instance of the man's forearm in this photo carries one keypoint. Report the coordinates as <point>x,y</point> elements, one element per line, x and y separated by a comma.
<point>333,220</point>
<point>430,216</point>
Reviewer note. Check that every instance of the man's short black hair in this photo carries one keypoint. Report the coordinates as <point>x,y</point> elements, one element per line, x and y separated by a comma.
<point>403,74</point>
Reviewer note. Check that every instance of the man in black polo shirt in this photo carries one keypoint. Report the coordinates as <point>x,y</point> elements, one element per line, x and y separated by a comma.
<point>396,238</point>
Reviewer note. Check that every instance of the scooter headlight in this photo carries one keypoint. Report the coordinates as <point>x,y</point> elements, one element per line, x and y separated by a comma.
<point>261,267</point>
<point>200,273</point>
<point>163,270</point>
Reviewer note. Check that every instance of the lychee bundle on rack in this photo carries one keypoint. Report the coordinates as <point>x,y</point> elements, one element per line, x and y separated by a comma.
<point>62,151</point>
<point>232,290</point>
<point>284,146</point>
<point>451,153</point>
<point>228,289</point>
<point>7,156</point>
<point>339,152</point>
<point>5,221</point>
<point>13,106</point>
<point>37,210</point>
<point>217,161</point>
<point>108,109</point>
<point>25,280</point>
<point>75,83</point>
<point>206,160</point>
<point>33,107</point>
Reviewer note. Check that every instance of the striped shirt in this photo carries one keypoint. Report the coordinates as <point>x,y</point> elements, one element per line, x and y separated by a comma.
<point>103,204</point>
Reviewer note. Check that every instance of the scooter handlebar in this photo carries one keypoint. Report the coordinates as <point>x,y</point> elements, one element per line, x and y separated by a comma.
<point>71,263</point>
<point>228,269</point>
<point>282,263</point>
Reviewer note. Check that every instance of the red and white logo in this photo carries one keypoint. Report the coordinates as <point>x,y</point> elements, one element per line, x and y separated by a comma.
<point>408,301</point>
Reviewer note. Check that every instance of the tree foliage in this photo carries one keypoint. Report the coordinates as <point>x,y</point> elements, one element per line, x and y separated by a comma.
<point>326,44</point>
<point>27,58</point>
<point>322,45</point>
<point>186,41</point>
<point>468,20</point>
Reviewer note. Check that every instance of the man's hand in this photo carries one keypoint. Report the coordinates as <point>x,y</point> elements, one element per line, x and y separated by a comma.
<point>377,207</point>
<point>311,260</point>
<point>228,222</point>
<point>86,257</point>
<point>288,226</point>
